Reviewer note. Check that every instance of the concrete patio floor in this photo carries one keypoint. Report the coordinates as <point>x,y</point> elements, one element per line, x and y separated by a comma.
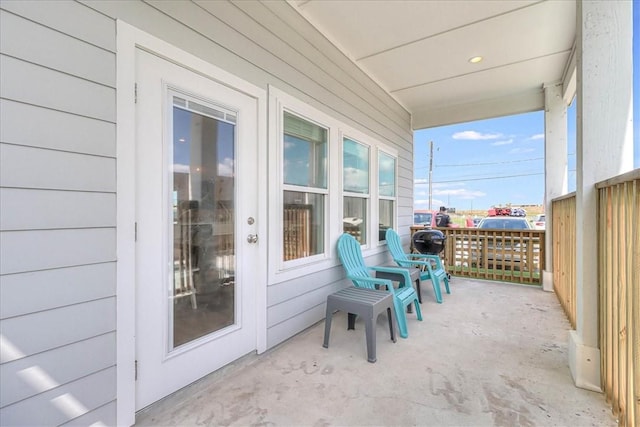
<point>493,354</point>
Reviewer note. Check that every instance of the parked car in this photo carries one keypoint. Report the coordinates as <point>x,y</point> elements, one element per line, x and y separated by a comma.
<point>505,223</point>
<point>538,222</point>
<point>506,253</point>
<point>424,217</point>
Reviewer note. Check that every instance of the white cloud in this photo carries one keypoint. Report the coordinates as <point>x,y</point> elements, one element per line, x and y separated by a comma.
<point>473,135</point>
<point>505,142</point>
<point>537,136</point>
<point>521,150</point>
<point>226,167</point>
<point>462,193</point>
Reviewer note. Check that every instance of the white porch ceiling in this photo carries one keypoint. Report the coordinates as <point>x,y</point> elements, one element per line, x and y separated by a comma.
<point>419,51</point>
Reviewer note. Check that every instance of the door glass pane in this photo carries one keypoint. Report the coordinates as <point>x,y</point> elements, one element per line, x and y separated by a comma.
<point>202,294</point>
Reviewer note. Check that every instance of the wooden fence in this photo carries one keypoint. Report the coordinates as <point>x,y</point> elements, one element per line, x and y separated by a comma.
<point>619,279</point>
<point>564,253</point>
<point>507,255</point>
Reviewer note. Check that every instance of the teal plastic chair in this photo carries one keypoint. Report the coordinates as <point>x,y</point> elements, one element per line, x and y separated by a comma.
<point>350,255</point>
<point>430,265</point>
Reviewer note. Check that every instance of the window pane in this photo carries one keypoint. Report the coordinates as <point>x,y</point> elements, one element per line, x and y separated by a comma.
<point>356,167</point>
<point>386,218</point>
<point>305,153</point>
<point>203,250</point>
<point>303,224</point>
<point>386,175</point>
<point>355,218</point>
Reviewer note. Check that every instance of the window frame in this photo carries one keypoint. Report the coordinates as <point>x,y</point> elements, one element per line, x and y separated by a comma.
<point>383,151</point>
<point>280,271</point>
<point>366,196</point>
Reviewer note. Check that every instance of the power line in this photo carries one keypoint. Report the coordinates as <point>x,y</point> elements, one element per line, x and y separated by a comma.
<point>492,163</point>
<point>492,177</point>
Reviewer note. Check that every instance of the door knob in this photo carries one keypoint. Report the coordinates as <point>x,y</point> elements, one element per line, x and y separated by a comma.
<point>252,238</point>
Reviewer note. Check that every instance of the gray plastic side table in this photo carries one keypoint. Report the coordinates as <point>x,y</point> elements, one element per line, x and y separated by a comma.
<point>368,303</point>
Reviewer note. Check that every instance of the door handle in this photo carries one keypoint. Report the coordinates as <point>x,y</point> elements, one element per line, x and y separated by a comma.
<point>252,238</point>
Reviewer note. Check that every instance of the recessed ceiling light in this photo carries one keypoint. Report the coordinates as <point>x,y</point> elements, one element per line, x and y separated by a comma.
<point>475,59</point>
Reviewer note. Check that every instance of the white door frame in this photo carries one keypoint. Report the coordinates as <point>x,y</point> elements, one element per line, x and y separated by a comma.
<point>128,39</point>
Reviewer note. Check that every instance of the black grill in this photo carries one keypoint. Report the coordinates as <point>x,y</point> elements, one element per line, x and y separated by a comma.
<point>429,242</point>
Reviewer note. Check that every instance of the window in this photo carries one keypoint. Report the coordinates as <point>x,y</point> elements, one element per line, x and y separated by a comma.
<point>386,193</point>
<point>305,187</point>
<point>355,179</point>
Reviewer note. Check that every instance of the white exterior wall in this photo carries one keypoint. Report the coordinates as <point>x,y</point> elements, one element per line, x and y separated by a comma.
<point>604,149</point>
<point>58,179</point>
<point>555,167</point>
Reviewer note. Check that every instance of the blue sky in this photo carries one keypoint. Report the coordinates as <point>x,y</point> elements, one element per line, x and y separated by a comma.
<point>493,162</point>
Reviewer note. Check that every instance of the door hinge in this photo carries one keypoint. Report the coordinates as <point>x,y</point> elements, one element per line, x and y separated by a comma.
<point>135,93</point>
<point>135,232</point>
<point>135,374</point>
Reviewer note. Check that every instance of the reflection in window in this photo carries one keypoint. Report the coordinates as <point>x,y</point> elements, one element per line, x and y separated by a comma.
<point>202,207</point>
<point>386,193</point>
<point>356,189</point>
<point>305,153</point>
<point>303,224</point>
<point>304,165</point>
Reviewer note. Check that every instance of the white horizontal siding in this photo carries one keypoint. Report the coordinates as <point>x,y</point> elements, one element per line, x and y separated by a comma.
<point>55,50</point>
<point>27,167</point>
<point>55,288</point>
<point>55,90</point>
<point>285,310</point>
<point>23,251</point>
<point>24,124</point>
<point>45,371</point>
<point>102,416</point>
<point>68,17</point>
<point>58,214</point>
<point>24,209</point>
<point>62,404</point>
<point>285,330</point>
<point>283,291</point>
<point>27,335</point>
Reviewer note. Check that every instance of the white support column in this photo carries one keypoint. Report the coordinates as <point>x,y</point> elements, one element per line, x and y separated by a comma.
<point>604,149</point>
<point>555,167</point>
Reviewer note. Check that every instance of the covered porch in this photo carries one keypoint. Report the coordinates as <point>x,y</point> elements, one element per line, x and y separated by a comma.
<point>493,354</point>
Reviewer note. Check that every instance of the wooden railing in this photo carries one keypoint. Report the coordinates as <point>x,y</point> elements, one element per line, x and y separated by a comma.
<point>507,255</point>
<point>619,279</point>
<point>564,253</point>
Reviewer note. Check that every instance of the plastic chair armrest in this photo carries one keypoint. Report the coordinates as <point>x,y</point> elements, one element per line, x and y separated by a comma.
<point>373,281</point>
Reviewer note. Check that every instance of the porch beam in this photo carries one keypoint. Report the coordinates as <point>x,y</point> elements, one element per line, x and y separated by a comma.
<point>604,148</point>
<point>525,102</point>
<point>555,166</point>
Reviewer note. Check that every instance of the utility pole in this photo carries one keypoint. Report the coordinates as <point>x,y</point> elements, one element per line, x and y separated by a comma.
<point>430,174</point>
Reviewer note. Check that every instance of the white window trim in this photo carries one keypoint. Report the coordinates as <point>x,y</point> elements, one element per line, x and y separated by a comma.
<point>365,141</point>
<point>394,154</point>
<point>279,270</point>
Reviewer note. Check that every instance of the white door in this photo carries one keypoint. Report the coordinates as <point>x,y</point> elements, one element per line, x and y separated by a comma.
<point>196,203</point>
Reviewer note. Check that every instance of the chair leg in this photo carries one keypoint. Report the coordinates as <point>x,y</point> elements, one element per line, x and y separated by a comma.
<point>418,311</point>
<point>446,283</point>
<point>419,290</point>
<point>392,330</point>
<point>401,317</point>
<point>436,288</point>
<point>370,333</point>
<point>327,327</point>
<point>351,321</point>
